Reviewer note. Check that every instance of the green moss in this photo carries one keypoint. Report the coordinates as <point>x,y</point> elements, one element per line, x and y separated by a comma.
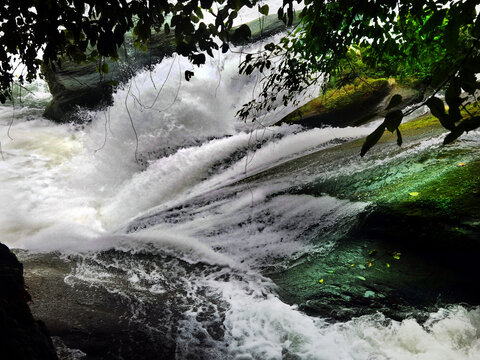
<point>337,99</point>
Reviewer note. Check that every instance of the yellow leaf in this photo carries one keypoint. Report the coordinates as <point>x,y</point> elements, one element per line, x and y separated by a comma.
<point>388,265</point>
<point>320,281</point>
<point>413,193</point>
<point>461,164</point>
<point>352,265</point>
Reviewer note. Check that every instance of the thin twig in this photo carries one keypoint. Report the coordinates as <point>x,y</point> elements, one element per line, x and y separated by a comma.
<point>131,122</point>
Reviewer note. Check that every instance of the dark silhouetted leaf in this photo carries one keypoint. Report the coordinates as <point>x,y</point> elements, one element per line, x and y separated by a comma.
<point>372,139</point>
<point>242,33</point>
<point>452,136</point>
<point>471,123</point>
<point>437,107</point>
<point>393,120</point>
<point>399,138</point>
<point>188,74</point>
<point>452,95</point>
<point>263,10</point>
<point>206,4</point>
<point>394,101</point>
<point>198,59</point>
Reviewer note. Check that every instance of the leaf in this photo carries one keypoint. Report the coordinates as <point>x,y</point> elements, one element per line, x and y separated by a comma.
<point>198,59</point>
<point>188,74</point>
<point>452,136</point>
<point>394,101</point>
<point>104,68</point>
<point>331,271</point>
<point>393,119</point>
<point>263,10</point>
<point>471,123</point>
<point>399,138</point>
<point>361,278</point>
<point>372,253</point>
<point>396,255</point>
<point>387,265</point>
<point>199,13</point>
<point>414,193</point>
<point>280,14</point>
<point>372,139</point>
<point>320,281</point>
<point>437,109</point>
<point>206,4</point>
<point>461,164</point>
<point>468,81</point>
<point>452,95</point>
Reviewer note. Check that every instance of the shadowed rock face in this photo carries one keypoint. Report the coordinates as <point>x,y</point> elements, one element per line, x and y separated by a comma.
<point>21,336</point>
<point>80,85</point>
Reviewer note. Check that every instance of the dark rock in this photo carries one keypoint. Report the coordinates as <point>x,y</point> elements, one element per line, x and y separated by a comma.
<point>396,263</point>
<point>264,27</point>
<point>75,85</point>
<point>21,336</point>
<point>115,320</point>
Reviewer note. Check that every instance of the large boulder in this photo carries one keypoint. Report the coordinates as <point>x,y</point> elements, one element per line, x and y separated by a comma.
<point>353,104</point>
<point>21,336</point>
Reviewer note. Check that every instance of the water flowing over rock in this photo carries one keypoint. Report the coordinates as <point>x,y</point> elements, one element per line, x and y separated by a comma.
<point>75,85</point>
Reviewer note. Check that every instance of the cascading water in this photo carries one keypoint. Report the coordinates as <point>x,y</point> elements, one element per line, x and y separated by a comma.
<point>181,237</point>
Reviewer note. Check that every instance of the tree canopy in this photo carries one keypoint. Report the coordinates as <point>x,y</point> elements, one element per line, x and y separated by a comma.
<point>434,40</point>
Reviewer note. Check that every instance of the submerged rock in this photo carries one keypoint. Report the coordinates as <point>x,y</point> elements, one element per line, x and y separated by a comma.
<point>21,336</point>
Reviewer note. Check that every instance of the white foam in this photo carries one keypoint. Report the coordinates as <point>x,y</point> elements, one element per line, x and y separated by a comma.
<point>262,327</point>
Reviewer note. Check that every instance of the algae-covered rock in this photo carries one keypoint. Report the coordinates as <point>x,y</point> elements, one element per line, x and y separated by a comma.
<point>21,336</point>
<point>352,104</point>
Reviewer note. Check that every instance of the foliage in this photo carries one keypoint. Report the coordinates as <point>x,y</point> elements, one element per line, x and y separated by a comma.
<point>436,41</point>
<point>91,30</point>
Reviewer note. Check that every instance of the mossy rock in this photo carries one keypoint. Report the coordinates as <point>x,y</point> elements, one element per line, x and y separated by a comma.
<point>354,104</point>
<point>342,107</point>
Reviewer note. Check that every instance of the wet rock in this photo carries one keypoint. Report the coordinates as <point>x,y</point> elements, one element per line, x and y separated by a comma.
<point>100,314</point>
<point>21,336</point>
<point>399,264</point>
<point>75,85</point>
